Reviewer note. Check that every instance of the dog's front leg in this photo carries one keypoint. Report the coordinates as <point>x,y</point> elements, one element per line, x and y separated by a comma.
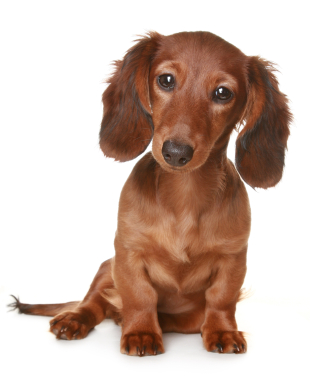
<point>219,330</point>
<point>141,333</point>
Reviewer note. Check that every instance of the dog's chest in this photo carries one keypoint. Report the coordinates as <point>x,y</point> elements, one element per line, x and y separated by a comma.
<point>182,254</point>
<point>185,249</point>
<point>181,277</point>
<point>186,235</point>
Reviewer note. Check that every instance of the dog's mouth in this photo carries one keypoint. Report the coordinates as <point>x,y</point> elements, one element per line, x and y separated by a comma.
<point>184,168</point>
<point>175,169</point>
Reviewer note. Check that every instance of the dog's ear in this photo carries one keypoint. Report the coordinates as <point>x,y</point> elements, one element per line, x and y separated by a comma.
<point>127,127</point>
<point>260,146</point>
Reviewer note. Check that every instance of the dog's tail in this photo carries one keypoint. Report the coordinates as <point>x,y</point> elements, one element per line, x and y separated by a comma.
<point>42,309</point>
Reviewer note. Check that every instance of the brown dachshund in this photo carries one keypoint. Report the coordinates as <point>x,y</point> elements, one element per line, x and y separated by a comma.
<point>184,215</point>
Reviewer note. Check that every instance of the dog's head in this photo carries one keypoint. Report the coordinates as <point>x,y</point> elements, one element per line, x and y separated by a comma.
<point>188,91</point>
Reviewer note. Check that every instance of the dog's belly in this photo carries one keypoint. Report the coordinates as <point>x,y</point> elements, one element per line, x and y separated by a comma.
<point>176,302</point>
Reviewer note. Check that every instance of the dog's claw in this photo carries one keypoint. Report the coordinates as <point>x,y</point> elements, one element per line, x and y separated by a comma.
<point>236,347</point>
<point>218,345</point>
<point>75,334</point>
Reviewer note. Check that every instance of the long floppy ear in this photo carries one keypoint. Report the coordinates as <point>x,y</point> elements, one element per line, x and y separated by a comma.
<point>260,146</point>
<point>127,127</point>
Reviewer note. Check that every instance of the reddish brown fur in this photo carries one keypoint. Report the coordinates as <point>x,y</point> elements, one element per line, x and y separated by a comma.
<point>181,242</point>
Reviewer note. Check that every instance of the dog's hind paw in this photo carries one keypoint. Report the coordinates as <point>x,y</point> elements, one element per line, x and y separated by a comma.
<point>70,326</point>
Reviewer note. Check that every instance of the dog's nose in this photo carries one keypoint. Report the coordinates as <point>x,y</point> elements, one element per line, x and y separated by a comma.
<point>177,154</point>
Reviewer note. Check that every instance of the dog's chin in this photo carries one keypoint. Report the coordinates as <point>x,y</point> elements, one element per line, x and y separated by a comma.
<point>190,167</point>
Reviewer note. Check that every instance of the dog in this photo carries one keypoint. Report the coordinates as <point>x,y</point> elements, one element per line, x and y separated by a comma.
<point>184,215</point>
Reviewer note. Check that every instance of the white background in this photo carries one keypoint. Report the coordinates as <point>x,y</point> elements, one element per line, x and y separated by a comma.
<point>59,194</point>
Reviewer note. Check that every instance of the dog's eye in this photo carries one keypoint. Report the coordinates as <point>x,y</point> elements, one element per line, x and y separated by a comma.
<point>222,94</point>
<point>166,81</point>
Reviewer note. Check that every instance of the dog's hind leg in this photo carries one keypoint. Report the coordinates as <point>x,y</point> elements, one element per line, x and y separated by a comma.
<point>73,320</point>
<point>76,323</point>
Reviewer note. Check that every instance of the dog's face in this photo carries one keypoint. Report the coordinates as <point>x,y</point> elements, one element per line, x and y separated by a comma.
<point>198,92</point>
<point>188,91</point>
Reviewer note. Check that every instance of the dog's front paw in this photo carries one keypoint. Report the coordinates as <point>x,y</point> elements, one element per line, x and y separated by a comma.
<point>225,342</point>
<point>70,326</point>
<point>142,344</point>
